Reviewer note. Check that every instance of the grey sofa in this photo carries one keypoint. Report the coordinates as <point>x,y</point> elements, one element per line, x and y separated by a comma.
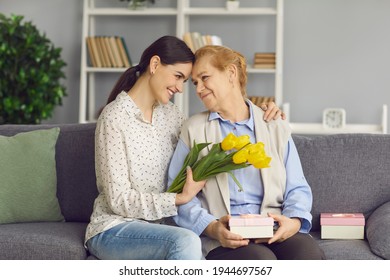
<point>347,173</point>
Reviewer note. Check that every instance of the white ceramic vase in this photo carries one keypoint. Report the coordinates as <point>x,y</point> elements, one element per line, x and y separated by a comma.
<point>232,5</point>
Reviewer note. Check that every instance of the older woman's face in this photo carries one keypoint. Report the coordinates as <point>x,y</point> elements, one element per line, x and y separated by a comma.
<point>212,85</point>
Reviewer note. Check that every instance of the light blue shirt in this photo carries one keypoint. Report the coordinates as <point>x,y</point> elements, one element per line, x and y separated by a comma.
<point>297,197</point>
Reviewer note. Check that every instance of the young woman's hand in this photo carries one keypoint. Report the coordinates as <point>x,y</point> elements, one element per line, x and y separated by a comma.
<point>190,189</point>
<point>272,112</point>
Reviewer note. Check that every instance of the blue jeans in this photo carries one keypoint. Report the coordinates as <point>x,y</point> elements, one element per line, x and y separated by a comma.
<point>137,240</point>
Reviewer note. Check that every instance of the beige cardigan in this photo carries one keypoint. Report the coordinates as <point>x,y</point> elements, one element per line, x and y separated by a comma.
<point>215,196</point>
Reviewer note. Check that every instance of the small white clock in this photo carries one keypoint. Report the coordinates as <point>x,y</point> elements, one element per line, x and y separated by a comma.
<point>334,118</point>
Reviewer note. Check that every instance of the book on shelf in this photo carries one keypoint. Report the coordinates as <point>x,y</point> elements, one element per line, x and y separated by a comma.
<point>107,51</point>
<point>115,51</point>
<point>91,53</point>
<point>265,55</point>
<point>265,60</point>
<point>342,225</point>
<point>252,226</point>
<point>94,54</point>
<point>124,53</point>
<point>196,40</point>
<point>258,100</point>
<point>263,66</point>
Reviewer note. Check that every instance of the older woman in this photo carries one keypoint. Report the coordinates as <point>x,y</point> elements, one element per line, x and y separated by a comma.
<point>280,191</point>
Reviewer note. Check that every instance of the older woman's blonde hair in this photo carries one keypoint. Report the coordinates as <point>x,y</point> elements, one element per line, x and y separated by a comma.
<point>221,57</point>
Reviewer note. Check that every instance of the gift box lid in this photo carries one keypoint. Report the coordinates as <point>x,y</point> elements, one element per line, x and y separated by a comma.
<point>251,220</point>
<point>342,219</point>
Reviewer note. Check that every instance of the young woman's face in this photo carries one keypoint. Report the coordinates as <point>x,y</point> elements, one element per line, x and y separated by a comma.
<point>212,85</point>
<point>168,80</point>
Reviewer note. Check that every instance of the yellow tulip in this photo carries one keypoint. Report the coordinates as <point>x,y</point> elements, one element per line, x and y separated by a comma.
<point>242,141</point>
<point>259,146</point>
<point>229,142</point>
<point>263,163</point>
<point>241,156</point>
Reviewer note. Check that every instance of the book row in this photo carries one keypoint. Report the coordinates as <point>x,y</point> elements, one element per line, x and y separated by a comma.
<point>196,40</point>
<point>264,60</point>
<point>258,100</point>
<point>108,51</point>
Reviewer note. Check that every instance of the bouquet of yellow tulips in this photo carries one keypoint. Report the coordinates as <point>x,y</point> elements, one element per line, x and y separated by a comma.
<point>232,153</point>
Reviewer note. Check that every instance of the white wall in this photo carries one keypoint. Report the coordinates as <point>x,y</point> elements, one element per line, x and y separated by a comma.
<point>337,53</point>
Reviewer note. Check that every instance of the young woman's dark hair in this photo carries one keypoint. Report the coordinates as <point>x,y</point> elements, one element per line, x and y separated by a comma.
<point>170,49</point>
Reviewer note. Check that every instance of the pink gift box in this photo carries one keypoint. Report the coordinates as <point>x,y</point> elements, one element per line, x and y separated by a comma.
<point>252,226</point>
<point>342,219</point>
<point>342,225</point>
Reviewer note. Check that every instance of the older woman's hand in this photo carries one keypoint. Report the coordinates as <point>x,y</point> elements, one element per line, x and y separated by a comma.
<point>218,230</point>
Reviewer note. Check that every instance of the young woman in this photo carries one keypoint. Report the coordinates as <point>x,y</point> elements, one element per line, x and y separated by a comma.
<point>280,191</point>
<point>136,134</point>
<point>135,137</point>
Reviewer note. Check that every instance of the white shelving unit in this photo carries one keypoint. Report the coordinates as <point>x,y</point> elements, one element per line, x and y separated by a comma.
<point>183,12</point>
<point>186,12</point>
<point>87,105</point>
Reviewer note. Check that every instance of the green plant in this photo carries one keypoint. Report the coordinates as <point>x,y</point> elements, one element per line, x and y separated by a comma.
<point>30,73</point>
<point>134,4</point>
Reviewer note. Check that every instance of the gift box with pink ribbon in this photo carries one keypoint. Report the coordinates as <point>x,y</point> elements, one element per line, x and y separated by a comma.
<point>342,225</point>
<point>252,226</point>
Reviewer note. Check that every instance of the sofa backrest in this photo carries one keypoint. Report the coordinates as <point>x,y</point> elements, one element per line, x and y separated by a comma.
<point>76,180</point>
<point>347,172</point>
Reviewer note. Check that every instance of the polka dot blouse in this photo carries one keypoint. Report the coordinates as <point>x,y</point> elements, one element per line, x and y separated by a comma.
<point>131,160</point>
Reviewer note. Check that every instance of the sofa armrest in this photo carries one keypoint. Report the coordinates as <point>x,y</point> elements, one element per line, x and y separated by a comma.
<point>378,231</point>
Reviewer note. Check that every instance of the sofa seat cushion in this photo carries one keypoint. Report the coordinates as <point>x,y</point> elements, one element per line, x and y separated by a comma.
<point>42,241</point>
<point>343,249</point>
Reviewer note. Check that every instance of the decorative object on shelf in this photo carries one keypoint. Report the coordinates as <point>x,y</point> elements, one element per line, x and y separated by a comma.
<point>138,4</point>
<point>232,5</point>
<point>334,118</point>
<point>30,73</point>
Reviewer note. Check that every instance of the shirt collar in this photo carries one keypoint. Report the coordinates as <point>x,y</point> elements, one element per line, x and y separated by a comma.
<point>248,122</point>
<point>133,109</point>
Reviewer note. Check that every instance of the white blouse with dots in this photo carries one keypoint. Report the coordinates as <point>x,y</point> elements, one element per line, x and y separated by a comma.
<point>131,160</point>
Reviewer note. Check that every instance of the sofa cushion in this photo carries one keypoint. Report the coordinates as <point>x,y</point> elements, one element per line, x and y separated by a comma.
<point>378,231</point>
<point>345,249</point>
<point>42,241</point>
<point>75,165</point>
<point>348,173</point>
<point>28,182</point>
<point>76,171</point>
